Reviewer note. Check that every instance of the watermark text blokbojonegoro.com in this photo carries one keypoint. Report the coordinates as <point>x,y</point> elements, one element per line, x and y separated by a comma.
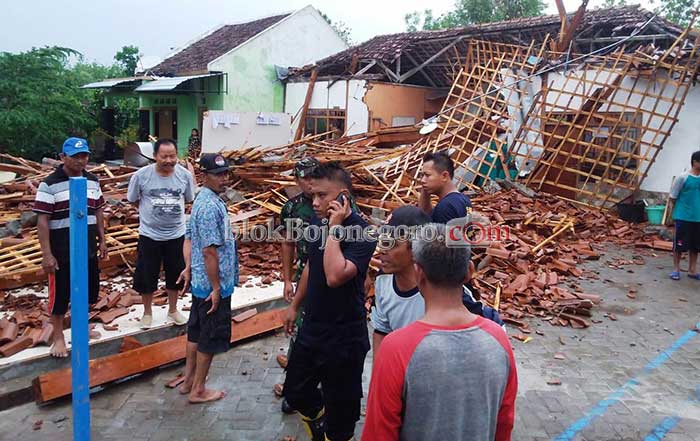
<point>459,232</point>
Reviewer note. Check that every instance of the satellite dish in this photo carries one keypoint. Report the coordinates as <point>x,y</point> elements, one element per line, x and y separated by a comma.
<point>428,128</point>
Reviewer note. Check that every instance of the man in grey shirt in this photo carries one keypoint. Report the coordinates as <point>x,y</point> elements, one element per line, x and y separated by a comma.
<point>161,191</point>
<point>414,393</point>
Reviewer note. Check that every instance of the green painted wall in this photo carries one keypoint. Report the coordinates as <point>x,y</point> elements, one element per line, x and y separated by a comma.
<point>252,81</point>
<point>187,105</point>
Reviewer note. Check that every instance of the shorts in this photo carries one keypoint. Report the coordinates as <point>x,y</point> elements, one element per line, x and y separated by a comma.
<point>211,332</point>
<point>59,285</point>
<point>150,256</point>
<point>687,236</point>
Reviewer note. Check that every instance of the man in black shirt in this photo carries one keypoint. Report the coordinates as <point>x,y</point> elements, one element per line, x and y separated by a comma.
<point>436,179</point>
<point>331,346</point>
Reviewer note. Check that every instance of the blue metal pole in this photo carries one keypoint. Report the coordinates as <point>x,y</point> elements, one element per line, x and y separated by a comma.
<point>79,308</point>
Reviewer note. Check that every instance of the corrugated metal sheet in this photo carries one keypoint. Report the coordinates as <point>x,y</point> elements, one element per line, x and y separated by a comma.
<point>169,83</point>
<point>112,82</point>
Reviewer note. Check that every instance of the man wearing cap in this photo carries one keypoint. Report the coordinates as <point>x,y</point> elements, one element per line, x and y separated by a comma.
<point>297,212</point>
<point>161,191</point>
<point>52,206</point>
<point>212,265</point>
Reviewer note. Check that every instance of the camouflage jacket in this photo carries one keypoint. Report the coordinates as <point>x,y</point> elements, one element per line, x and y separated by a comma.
<point>299,207</point>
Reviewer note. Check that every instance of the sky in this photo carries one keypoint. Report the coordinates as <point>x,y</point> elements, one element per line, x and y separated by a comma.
<point>99,28</point>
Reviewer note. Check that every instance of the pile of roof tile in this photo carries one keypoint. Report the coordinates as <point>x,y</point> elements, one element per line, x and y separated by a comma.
<point>26,327</point>
<point>534,271</point>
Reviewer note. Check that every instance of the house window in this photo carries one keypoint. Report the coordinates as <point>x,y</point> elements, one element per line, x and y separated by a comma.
<point>325,120</point>
<point>612,147</point>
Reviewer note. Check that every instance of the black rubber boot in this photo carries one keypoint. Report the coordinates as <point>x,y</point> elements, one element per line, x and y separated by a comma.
<point>315,427</point>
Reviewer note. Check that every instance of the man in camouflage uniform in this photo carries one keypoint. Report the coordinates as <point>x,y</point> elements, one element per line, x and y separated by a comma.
<point>298,210</point>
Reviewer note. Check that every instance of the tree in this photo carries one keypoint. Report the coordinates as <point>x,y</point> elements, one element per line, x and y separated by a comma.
<point>128,58</point>
<point>679,12</point>
<point>40,102</point>
<point>341,28</point>
<point>467,12</point>
<point>614,3</point>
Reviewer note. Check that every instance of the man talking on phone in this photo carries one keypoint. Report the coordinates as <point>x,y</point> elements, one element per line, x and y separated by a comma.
<point>331,346</point>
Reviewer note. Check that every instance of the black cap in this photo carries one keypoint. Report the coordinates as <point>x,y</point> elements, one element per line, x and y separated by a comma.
<point>304,167</point>
<point>213,163</point>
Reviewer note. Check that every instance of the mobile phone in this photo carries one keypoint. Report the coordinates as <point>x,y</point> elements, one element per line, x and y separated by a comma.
<point>341,199</point>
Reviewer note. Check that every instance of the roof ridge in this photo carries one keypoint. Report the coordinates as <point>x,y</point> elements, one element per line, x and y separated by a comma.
<point>170,65</point>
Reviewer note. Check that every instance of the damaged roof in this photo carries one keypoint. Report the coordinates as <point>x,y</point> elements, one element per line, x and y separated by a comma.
<point>195,58</point>
<point>598,24</point>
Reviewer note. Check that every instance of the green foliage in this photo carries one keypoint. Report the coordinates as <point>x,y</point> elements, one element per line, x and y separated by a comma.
<point>128,135</point>
<point>39,105</point>
<point>41,102</point>
<point>467,12</point>
<point>614,3</point>
<point>679,12</point>
<point>127,58</point>
<point>341,28</point>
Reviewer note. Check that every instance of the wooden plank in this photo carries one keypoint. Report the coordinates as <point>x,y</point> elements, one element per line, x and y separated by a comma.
<point>305,107</point>
<point>19,169</point>
<point>114,367</point>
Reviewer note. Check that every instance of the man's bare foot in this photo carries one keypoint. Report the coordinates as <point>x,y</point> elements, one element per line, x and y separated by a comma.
<point>58,348</point>
<point>186,387</point>
<point>94,334</point>
<point>206,396</point>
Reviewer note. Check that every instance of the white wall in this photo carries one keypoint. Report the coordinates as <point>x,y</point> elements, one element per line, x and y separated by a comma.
<point>298,40</point>
<point>674,158</point>
<point>246,130</point>
<point>323,97</point>
<point>684,138</point>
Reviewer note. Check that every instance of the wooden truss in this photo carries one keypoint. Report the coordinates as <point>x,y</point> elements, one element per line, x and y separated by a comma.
<point>587,132</point>
<point>21,264</point>
<point>595,129</point>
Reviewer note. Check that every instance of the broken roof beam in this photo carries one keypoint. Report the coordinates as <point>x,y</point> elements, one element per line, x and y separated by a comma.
<point>425,75</point>
<point>305,107</point>
<point>366,68</point>
<point>421,66</point>
<point>564,18</point>
<point>652,37</point>
<point>390,73</point>
<point>566,38</point>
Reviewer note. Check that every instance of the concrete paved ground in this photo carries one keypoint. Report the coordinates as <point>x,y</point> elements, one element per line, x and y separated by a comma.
<point>636,378</point>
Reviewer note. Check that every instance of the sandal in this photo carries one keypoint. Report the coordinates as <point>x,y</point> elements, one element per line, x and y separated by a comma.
<point>695,276</point>
<point>675,275</point>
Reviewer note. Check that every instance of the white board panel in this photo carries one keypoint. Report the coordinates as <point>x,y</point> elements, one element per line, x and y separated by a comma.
<point>226,131</point>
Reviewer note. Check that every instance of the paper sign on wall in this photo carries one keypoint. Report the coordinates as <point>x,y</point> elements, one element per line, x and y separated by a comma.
<point>225,118</point>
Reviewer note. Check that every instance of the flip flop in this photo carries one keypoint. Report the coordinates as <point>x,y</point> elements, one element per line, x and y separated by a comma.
<point>675,275</point>
<point>694,276</point>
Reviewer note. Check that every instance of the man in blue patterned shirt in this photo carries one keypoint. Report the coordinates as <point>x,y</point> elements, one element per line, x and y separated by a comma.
<point>212,264</point>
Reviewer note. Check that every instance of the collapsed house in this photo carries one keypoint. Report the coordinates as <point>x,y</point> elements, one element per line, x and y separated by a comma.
<point>598,90</point>
<point>583,106</point>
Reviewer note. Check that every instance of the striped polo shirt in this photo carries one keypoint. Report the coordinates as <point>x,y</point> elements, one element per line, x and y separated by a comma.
<point>52,198</point>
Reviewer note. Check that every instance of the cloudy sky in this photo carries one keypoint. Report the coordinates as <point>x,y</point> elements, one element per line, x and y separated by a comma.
<point>99,28</point>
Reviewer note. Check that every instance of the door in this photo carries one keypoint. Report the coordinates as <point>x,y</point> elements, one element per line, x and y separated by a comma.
<point>166,123</point>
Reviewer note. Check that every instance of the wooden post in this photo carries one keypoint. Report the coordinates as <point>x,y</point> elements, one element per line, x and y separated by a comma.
<point>305,108</point>
<point>79,308</point>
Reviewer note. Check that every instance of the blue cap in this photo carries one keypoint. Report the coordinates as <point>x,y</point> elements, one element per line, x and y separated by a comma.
<point>73,146</point>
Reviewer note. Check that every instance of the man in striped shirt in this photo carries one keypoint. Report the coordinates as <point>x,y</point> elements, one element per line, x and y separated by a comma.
<point>52,206</point>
